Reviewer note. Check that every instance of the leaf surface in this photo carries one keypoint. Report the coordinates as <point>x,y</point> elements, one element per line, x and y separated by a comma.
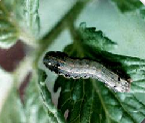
<point>128,5</point>
<point>90,100</point>
<point>54,115</point>
<point>32,16</point>
<point>8,30</point>
<point>33,106</point>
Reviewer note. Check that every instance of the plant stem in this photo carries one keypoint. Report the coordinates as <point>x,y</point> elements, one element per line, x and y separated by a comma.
<point>71,16</point>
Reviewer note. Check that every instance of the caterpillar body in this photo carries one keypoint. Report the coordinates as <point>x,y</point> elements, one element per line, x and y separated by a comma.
<point>69,67</point>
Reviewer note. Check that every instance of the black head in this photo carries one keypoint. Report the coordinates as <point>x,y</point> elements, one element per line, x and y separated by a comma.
<point>51,60</point>
<point>56,54</point>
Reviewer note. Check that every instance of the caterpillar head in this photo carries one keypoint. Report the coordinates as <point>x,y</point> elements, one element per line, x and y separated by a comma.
<point>52,60</point>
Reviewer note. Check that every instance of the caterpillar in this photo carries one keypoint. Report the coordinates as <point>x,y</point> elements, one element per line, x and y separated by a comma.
<point>76,68</point>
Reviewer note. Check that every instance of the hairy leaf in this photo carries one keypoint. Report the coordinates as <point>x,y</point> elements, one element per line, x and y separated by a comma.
<point>31,16</point>
<point>8,30</point>
<point>90,36</point>
<point>54,115</point>
<point>90,100</point>
<point>128,5</point>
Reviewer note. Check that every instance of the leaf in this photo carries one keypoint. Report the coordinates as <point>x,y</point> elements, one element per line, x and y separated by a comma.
<point>92,37</point>
<point>54,115</point>
<point>33,106</point>
<point>31,16</point>
<point>142,13</point>
<point>29,111</point>
<point>90,100</point>
<point>128,5</point>
<point>10,4</point>
<point>8,30</point>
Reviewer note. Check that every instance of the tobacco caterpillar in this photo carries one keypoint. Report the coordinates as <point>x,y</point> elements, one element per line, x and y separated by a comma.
<point>69,67</point>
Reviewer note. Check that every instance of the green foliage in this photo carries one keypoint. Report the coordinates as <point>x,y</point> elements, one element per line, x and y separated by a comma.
<point>33,106</point>
<point>142,13</point>
<point>31,16</point>
<point>54,115</point>
<point>96,38</point>
<point>13,17</point>
<point>89,100</point>
<point>29,111</point>
<point>8,29</point>
<point>128,5</point>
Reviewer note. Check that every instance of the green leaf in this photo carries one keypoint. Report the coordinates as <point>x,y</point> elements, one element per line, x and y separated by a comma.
<point>28,109</point>
<point>128,5</point>
<point>8,30</point>
<point>33,106</point>
<point>90,100</point>
<point>142,13</point>
<point>54,115</point>
<point>31,16</point>
<point>92,37</point>
<point>96,38</point>
<point>10,4</point>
